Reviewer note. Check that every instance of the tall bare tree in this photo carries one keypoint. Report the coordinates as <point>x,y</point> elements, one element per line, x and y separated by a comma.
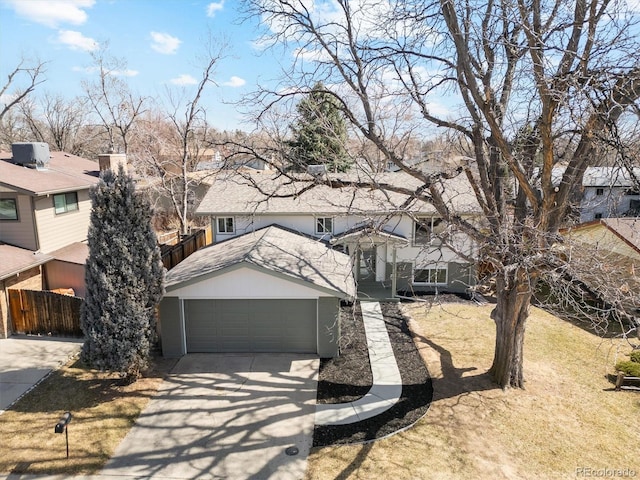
<point>24,78</point>
<point>186,136</point>
<point>557,72</point>
<point>117,107</point>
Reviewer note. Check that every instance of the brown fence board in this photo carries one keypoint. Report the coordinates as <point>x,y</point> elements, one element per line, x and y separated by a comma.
<point>189,244</point>
<point>35,311</point>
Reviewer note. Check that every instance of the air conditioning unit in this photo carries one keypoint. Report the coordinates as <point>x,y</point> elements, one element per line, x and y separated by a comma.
<point>31,154</point>
<point>316,170</point>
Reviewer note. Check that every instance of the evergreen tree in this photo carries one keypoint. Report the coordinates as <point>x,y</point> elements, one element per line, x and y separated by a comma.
<point>319,133</point>
<point>124,277</point>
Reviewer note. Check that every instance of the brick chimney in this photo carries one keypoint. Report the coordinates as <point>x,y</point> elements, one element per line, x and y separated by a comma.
<point>112,161</point>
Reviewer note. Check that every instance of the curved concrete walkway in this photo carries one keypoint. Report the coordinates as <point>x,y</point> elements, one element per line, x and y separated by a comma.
<point>387,383</point>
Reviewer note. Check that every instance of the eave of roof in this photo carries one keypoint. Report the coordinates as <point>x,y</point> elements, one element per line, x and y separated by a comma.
<point>276,251</point>
<point>14,260</point>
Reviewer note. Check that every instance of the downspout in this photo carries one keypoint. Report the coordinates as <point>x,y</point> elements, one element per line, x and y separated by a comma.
<point>394,274</point>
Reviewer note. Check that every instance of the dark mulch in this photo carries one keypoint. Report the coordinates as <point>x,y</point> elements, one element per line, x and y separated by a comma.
<point>348,377</point>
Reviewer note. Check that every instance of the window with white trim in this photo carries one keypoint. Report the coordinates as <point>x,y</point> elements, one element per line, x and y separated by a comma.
<point>324,225</point>
<point>430,276</point>
<point>426,229</point>
<point>8,209</point>
<point>65,202</point>
<point>225,225</point>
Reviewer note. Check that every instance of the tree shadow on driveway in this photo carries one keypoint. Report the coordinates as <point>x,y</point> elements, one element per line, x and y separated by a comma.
<point>225,415</point>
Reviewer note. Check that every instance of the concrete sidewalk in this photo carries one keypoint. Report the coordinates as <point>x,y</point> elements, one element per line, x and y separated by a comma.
<point>387,383</point>
<point>25,360</point>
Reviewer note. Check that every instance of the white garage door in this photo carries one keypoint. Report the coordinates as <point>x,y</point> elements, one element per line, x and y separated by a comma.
<point>251,325</point>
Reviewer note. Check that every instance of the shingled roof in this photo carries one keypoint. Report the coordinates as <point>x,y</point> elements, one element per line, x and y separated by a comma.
<point>276,250</point>
<point>64,173</point>
<point>270,194</point>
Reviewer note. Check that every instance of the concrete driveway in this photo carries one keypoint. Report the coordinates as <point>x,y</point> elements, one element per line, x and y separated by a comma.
<point>225,416</point>
<point>25,360</point>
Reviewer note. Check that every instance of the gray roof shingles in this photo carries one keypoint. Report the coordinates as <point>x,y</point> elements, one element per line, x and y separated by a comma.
<point>273,249</point>
<point>14,260</point>
<point>236,195</point>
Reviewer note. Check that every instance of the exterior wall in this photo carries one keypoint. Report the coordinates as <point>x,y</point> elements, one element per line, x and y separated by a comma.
<point>171,328</point>
<point>328,327</point>
<point>60,274</point>
<point>20,233</point>
<point>244,283</point>
<point>57,231</point>
<point>612,203</point>
<point>407,257</point>
<point>28,280</point>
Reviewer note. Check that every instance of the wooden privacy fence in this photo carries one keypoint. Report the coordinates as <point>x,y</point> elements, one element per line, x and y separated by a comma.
<point>35,311</point>
<point>173,255</point>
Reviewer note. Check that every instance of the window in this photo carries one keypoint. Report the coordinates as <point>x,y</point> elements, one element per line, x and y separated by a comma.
<point>597,216</point>
<point>599,191</point>
<point>324,225</point>
<point>8,209</point>
<point>226,225</point>
<point>426,229</point>
<point>430,275</point>
<point>65,202</point>
<point>632,193</point>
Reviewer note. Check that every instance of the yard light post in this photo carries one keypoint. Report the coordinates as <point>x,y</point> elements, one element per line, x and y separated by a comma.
<point>61,426</point>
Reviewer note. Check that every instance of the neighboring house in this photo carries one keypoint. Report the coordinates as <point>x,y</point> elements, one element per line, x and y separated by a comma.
<point>620,236</point>
<point>20,269</point>
<point>395,242</point>
<point>268,290</point>
<point>44,219</point>
<point>610,192</point>
<point>44,197</point>
<point>605,258</point>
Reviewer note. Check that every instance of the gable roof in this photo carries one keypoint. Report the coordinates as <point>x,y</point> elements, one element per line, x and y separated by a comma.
<point>276,250</point>
<point>251,194</point>
<point>64,173</point>
<point>14,260</point>
<point>626,229</point>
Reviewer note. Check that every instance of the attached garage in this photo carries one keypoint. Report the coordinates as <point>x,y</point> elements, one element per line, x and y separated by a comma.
<point>272,290</point>
<point>251,325</point>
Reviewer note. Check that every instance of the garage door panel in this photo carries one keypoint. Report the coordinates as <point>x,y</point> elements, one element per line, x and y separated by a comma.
<point>251,325</point>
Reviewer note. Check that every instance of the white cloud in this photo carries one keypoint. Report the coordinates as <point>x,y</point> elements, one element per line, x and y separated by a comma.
<point>52,12</point>
<point>165,43</point>
<point>184,80</point>
<point>76,41</point>
<point>235,82</point>
<point>214,7</point>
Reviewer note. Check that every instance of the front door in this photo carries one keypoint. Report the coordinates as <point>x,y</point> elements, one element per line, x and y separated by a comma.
<point>367,264</point>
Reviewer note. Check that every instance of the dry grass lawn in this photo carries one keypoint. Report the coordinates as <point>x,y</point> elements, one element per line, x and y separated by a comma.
<point>103,412</point>
<point>566,419</point>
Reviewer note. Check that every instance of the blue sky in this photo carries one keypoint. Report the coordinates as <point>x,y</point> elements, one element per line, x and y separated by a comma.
<point>160,40</point>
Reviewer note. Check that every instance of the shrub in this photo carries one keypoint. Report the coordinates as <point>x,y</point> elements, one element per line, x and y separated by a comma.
<point>635,356</point>
<point>629,368</point>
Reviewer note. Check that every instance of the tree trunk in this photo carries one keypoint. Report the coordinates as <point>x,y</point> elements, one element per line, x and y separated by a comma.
<point>510,315</point>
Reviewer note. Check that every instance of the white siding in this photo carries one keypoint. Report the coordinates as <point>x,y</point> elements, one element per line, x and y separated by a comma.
<point>245,283</point>
<point>57,231</point>
<point>19,233</point>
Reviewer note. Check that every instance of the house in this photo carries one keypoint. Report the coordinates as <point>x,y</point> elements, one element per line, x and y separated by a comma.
<point>610,192</point>
<point>44,219</point>
<point>44,197</point>
<point>620,236</point>
<point>266,290</point>
<point>396,242</point>
<point>605,262</point>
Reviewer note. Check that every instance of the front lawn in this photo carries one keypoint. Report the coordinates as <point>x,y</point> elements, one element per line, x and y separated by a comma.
<point>103,412</point>
<point>567,418</point>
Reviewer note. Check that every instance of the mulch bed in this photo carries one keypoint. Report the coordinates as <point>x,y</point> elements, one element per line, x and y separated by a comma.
<point>348,378</point>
